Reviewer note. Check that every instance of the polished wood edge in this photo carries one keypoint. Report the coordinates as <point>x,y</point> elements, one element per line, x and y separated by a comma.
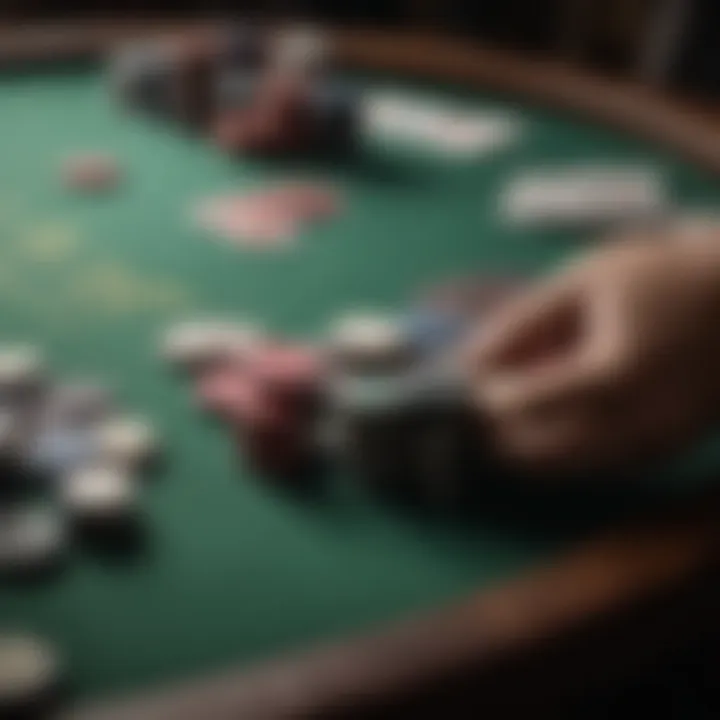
<point>678,125</point>
<point>600,580</point>
<point>497,629</point>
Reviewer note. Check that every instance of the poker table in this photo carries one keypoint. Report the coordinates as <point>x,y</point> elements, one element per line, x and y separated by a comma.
<point>245,599</point>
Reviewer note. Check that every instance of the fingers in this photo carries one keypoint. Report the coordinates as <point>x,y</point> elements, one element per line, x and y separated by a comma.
<point>527,327</point>
<point>593,365</point>
<point>634,427</point>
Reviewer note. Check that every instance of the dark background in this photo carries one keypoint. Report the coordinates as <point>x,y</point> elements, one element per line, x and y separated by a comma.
<point>609,35</point>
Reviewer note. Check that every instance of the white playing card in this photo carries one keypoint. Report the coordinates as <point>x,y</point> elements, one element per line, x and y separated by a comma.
<point>452,131</point>
<point>568,196</point>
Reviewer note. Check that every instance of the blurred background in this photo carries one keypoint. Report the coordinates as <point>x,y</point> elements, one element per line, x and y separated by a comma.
<point>673,43</point>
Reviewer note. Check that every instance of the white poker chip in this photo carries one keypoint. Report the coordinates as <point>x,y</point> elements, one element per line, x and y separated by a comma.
<point>194,343</point>
<point>369,338</point>
<point>355,395</point>
<point>31,537</point>
<point>128,441</point>
<point>29,669</point>
<point>99,493</point>
<point>20,365</point>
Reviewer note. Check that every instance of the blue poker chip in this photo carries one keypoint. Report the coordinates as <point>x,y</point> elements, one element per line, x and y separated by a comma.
<point>432,330</point>
<point>58,451</point>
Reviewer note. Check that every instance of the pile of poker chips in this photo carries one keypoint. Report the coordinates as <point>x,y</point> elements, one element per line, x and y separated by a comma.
<point>383,395</point>
<point>250,90</point>
<point>69,460</point>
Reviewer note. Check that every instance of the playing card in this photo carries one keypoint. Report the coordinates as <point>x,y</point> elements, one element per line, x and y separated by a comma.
<point>266,218</point>
<point>447,130</point>
<point>567,196</point>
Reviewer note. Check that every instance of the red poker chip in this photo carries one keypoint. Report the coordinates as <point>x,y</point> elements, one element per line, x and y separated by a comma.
<point>289,369</point>
<point>275,453</point>
<point>221,390</point>
<point>90,172</point>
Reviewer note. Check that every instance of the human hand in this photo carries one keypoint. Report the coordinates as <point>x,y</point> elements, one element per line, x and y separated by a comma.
<point>614,359</point>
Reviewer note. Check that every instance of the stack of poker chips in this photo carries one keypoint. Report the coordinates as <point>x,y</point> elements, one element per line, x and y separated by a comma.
<point>68,460</point>
<point>264,389</point>
<point>380,395</point>
<point>250,89</point>
<point>397,398</point>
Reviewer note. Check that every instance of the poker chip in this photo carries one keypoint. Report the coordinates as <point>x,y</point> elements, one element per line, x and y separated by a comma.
<point>367,341</point>
<point>192,344</point>
<point>276,452</point>
<point>431,330</point>
<point>20,366</point>
<point>61,449</point>
<point>90,172</point>
<point>126,441</point>
<point>30,670</point>
<point>220,390</point>
<point>31,537</point>
<point>99,493</point>
<point>292,371</point>
<point>79,402</point>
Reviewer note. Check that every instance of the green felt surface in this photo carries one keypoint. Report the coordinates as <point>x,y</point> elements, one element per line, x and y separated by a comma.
<point>234,571</point>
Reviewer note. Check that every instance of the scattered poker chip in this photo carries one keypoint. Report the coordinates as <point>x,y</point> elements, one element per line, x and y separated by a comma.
<point>258,408</point>
<point>30,670</point>
<point>20,366</point>
<point>368,394</point>
<point>99,493</point>
<point>195,343</point>
<point>220,390</point>
<point>126,441</point>
<point>369,341</point>
<point>31,537</point>
<point>90,172</point>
